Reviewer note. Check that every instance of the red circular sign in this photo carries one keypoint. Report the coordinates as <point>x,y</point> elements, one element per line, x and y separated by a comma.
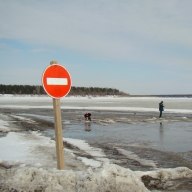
<point>56,81</point>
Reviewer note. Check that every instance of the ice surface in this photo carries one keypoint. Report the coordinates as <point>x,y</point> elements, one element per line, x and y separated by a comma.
<point>98,156</point>
<point>141,104</point>
<point>34,149</point>
<point>90,162</point>
<point>5,126</point>
<point>26,148</point>
<point>82,145</point>
<point>131,155</point>
<point>23,119</point>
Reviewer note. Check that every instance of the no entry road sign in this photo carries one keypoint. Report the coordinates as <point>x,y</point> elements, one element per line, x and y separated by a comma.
<point>56,81</point>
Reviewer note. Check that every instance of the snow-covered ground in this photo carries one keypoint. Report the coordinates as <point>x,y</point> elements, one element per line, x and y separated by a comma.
<point>28,159</point>
<point>172,105</point>
<point>34,169</point>
<point>33,160</point>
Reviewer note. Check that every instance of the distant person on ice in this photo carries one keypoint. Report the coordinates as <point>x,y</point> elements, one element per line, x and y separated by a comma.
<point>87,116</point>
<point>161,109</point>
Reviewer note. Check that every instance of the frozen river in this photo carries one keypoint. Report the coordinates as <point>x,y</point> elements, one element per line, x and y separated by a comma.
<point>175,105</point>
<point>127,130</point>
<point>165,136</point>
<point>170,133</point>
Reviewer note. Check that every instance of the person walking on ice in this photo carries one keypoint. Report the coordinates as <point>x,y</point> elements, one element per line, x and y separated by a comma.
<point>161,109</point>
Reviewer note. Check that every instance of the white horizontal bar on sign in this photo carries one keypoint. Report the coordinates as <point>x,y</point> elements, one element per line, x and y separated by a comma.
<point>57,81</point>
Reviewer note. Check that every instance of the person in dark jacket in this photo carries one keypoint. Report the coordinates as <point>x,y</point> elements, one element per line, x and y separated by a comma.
<point>87,116</point>
<point>161,109</point>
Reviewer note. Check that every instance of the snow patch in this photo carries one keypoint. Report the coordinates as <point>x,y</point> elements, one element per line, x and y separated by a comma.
<point>26,148</point>
<point>168,174</point>
<point>82,145</point>
<point>4,124</point>
<point>23,119</point>
<point>90,162</point>
<point>133,156</point>
<point>27,101</point>
<point>168,179</point>
<point>110,178</point>
<point>97,155</point>
<point>106,121</point>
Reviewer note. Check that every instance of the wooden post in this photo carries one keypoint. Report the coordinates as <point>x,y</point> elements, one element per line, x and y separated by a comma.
<point>58,134</point>
<point>58,131</point>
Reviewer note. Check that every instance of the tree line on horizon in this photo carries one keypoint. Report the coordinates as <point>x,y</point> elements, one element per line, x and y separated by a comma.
<point>38,90</point>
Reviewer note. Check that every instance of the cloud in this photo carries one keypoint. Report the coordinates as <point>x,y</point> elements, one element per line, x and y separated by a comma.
<point>111,29</point>
<point>142,40</point>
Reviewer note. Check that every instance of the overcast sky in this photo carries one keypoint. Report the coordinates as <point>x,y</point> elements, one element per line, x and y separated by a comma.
<point>136,46</point>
